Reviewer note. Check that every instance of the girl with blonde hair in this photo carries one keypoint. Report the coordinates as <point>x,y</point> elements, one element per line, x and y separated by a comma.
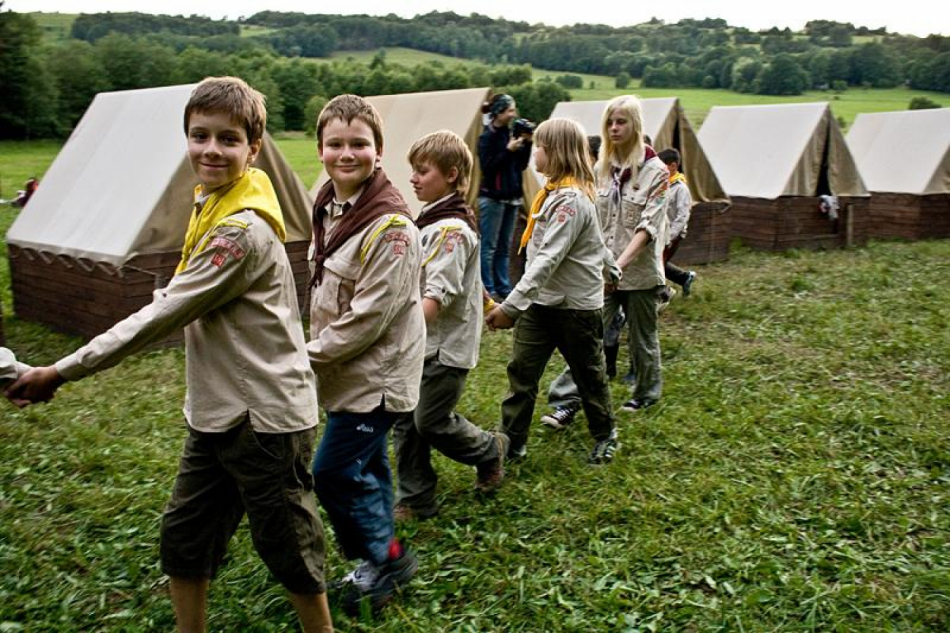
<point>558,302</point>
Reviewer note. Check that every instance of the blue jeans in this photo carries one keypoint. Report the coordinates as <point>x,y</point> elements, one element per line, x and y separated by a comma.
<point>496,223</point>
<point>352,479</point>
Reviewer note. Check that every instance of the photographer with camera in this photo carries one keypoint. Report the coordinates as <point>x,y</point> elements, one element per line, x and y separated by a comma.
<point>504,149</point>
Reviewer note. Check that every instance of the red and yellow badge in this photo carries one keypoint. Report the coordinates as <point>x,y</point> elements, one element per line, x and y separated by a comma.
<point>225,248</point>
<point>400,242</point>
<point>566,212</point>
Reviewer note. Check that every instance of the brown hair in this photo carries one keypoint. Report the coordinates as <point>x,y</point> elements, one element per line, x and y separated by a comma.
<point>565,146</point>
<point>231,96</point>
<point>347,108</point>
<point>444,150</point>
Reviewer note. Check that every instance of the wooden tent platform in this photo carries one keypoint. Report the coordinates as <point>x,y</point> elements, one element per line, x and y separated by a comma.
<point>796,222</point>
<point>75,298</point>
<point>708,235</point>
<point>908,216</point>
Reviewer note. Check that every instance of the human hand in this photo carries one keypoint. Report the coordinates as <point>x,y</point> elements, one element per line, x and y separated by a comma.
<point>37,385</point>
<point>515,143</point>
<point>498,320</point>
<point>609,288</point>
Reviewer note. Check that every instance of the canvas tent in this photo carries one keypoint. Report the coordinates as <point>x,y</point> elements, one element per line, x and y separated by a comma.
<point>665,122</point>
<point>408,117</point>
<point>774,161</point>
<point>107,225</point>
<point>904,159</point>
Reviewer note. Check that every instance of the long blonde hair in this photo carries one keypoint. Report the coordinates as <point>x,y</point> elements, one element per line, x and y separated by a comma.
<point>628,106</point>
<point>565,146</point>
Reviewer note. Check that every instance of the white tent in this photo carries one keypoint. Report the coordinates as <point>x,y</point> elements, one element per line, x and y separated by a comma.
<point>904,158</point>
<point>775,161</point>
<point>108,220</point>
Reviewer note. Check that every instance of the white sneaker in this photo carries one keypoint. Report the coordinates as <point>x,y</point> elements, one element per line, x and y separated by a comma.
<point>364,576</point>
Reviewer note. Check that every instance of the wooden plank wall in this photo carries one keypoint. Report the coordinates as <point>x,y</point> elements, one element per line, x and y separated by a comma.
<point>909,217</point>
<point>86,301</point>
<point>796,222</point>
<point>707,236</point>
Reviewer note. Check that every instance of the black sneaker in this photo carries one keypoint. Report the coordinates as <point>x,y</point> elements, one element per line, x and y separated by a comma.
<point>561,417</point>
<point>688,283</point>
<point>604,450</point>
<point>636,405</point>
<point>377,585</point>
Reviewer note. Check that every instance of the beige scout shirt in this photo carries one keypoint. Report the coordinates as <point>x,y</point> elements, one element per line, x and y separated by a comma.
<point>566,257</point>
<point>678,206</point>
<point>367,330</point>
<point>643,206</point>
<point>244,342</point>
<point>10,368</point>
<point>451,275</point>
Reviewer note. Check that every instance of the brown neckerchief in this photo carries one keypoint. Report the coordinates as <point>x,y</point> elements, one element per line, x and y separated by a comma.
<point>379,197</point>
<point>452,207</point>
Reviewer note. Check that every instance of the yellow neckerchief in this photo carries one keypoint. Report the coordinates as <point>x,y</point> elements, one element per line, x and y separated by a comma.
<point>677,177</point>
<point>253,191</point>
<point>539,199</point>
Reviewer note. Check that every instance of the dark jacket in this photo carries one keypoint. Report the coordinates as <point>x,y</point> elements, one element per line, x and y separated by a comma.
<point>501,169</point>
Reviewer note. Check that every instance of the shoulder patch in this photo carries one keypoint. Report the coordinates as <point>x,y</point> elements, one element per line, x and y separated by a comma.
<point>226,247</point>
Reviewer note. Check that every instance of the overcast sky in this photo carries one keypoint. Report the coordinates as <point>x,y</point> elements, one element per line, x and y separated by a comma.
<point>917,17</point>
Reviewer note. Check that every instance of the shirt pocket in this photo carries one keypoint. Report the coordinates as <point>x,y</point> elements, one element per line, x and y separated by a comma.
<point>336,291</point>
<point>633,204</point>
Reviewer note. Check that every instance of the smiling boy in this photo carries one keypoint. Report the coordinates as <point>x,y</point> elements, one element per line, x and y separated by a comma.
<point>367,343</point>
<point>251,403</point>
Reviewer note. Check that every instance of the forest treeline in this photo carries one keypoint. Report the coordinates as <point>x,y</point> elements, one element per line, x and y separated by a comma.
<point>48,84</point>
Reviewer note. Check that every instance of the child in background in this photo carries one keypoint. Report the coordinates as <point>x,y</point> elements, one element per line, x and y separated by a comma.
<point>452,304</point>
<point>251,404</point>
<point>558,302</point>
<point>678,205</point>
<point>367,342</point>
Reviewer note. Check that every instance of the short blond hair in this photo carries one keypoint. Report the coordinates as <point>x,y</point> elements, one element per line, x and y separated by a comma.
<point>348,108</point>
<point>444,150</point>
<point>231,96</point>
<point>568,155</point>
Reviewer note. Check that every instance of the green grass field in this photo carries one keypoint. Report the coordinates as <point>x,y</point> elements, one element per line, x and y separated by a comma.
<point>795,477</point>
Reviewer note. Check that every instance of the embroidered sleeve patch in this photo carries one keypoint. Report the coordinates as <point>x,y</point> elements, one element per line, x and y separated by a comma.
<point>565,212</point>
<point>452,239</point>
<point>225,248</point>
<point>399,241</point>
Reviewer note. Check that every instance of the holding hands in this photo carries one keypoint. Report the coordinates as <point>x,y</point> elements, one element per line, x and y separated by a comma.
<point>37,385</point>
<point>498,320</point>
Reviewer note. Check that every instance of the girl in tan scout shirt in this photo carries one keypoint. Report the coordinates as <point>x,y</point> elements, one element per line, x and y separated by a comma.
<point>558,302</point>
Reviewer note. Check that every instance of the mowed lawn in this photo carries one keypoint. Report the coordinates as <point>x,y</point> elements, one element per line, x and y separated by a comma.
<point>795,477</point>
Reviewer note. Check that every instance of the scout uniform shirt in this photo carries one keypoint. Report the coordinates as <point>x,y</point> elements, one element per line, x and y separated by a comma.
<point>367,330</point>
<point>641,206</point>
<point>451,275</point>
<point>566,257</point>
<point>244,344</point>
<point>678,206</point>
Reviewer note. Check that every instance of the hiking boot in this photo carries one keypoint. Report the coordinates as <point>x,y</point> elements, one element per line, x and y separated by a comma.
<point>604,450</point>
<point>491,473</point>
<point>688,283</point>
<point>561,417</point>
<point>377,585</point>
<point>636,405</point>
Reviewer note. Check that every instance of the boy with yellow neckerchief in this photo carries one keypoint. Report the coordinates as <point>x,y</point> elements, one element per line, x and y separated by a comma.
<point>251,405</point>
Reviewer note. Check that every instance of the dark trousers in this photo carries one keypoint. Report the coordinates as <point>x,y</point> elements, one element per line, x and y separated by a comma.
<point>579,336</point>
<point>353,481</point>
<point>436,425</point>
<point>673,272</point>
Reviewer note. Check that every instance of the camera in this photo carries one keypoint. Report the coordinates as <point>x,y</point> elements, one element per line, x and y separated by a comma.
<point>521,127</point>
